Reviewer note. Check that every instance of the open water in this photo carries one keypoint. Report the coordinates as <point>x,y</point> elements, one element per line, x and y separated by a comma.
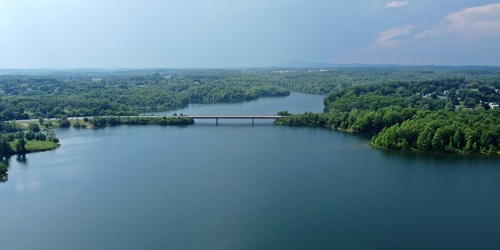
<point>238,186</point>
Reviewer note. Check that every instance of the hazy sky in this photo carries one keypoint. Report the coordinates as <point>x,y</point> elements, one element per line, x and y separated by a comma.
<point>246,33</point>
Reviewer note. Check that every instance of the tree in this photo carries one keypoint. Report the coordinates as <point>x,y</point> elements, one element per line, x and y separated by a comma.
<point>485,106</point>
<point>63,122</point>
<point>452,93</point>
<point>10,137</point>
<point>458,139</point>
<point>437,140</point>
<point>424,141</point>
<point>40,137</point>
<point>284,113</point>
<point>470,102</point>
<point>5,148</point>
<point>19,135</point>
<point>33,127</point>
<point>50,134</point>
<point>30,135</point>
<point>470,144</point>
<point>21,146</point>
<point>449,107</point>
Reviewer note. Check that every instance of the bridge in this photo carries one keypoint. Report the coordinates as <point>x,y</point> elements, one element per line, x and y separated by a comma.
<point>217,117</point>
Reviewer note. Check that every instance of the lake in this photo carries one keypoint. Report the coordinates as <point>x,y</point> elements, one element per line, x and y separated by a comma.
<point>244,186</point>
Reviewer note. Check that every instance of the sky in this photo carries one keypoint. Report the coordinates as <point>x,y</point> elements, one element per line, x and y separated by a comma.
<point>246,33</point>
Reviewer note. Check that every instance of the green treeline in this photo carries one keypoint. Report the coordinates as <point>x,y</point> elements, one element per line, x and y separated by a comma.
<point>324,80</point>
<point>427,95</point>
<point>138,120</point>
<point>80,94</point>
<point>451,115</point>
<point>469,132</point>
<point>233,92</point>
<point>365,121</point>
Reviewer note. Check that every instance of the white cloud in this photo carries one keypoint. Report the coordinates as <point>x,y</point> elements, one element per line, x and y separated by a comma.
<point>396,4</point>
<point>387,38</point>
<point>471,22</point>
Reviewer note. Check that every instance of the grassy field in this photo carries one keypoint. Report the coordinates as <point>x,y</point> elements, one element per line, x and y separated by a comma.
<point>36,146</point>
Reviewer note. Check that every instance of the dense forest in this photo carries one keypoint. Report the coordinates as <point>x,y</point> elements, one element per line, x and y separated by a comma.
<point>45,94</point>
<point>97,122</point>
<point>77,94</point>
<point>324,80</point>
<point>445,109</point>
<point>449,115</point>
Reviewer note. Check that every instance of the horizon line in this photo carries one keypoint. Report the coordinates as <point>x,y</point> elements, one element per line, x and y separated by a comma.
<point>282,65</point>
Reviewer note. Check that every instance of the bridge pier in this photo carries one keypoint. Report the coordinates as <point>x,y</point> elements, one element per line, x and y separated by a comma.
<point>252,121</point>
<point>216,121</point>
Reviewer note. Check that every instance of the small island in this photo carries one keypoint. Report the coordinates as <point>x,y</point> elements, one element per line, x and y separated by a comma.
<point>26,138</point>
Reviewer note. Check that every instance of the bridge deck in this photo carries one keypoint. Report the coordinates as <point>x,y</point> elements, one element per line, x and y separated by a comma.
<point>234,116</point>
<point>217,117</point>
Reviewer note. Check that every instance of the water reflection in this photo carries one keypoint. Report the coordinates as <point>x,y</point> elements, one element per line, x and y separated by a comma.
<point>4,168</point>
<point>22,159</point>
<point>4,177</point>
<point>5,163</point>
<point>440,159</point>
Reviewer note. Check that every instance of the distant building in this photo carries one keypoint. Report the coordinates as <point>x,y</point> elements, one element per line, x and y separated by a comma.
<point>493,105</point>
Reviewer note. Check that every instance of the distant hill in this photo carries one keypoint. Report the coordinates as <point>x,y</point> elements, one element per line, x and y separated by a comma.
<point>303,64</point>
<point>289,65</point>
<point>49,71</point>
